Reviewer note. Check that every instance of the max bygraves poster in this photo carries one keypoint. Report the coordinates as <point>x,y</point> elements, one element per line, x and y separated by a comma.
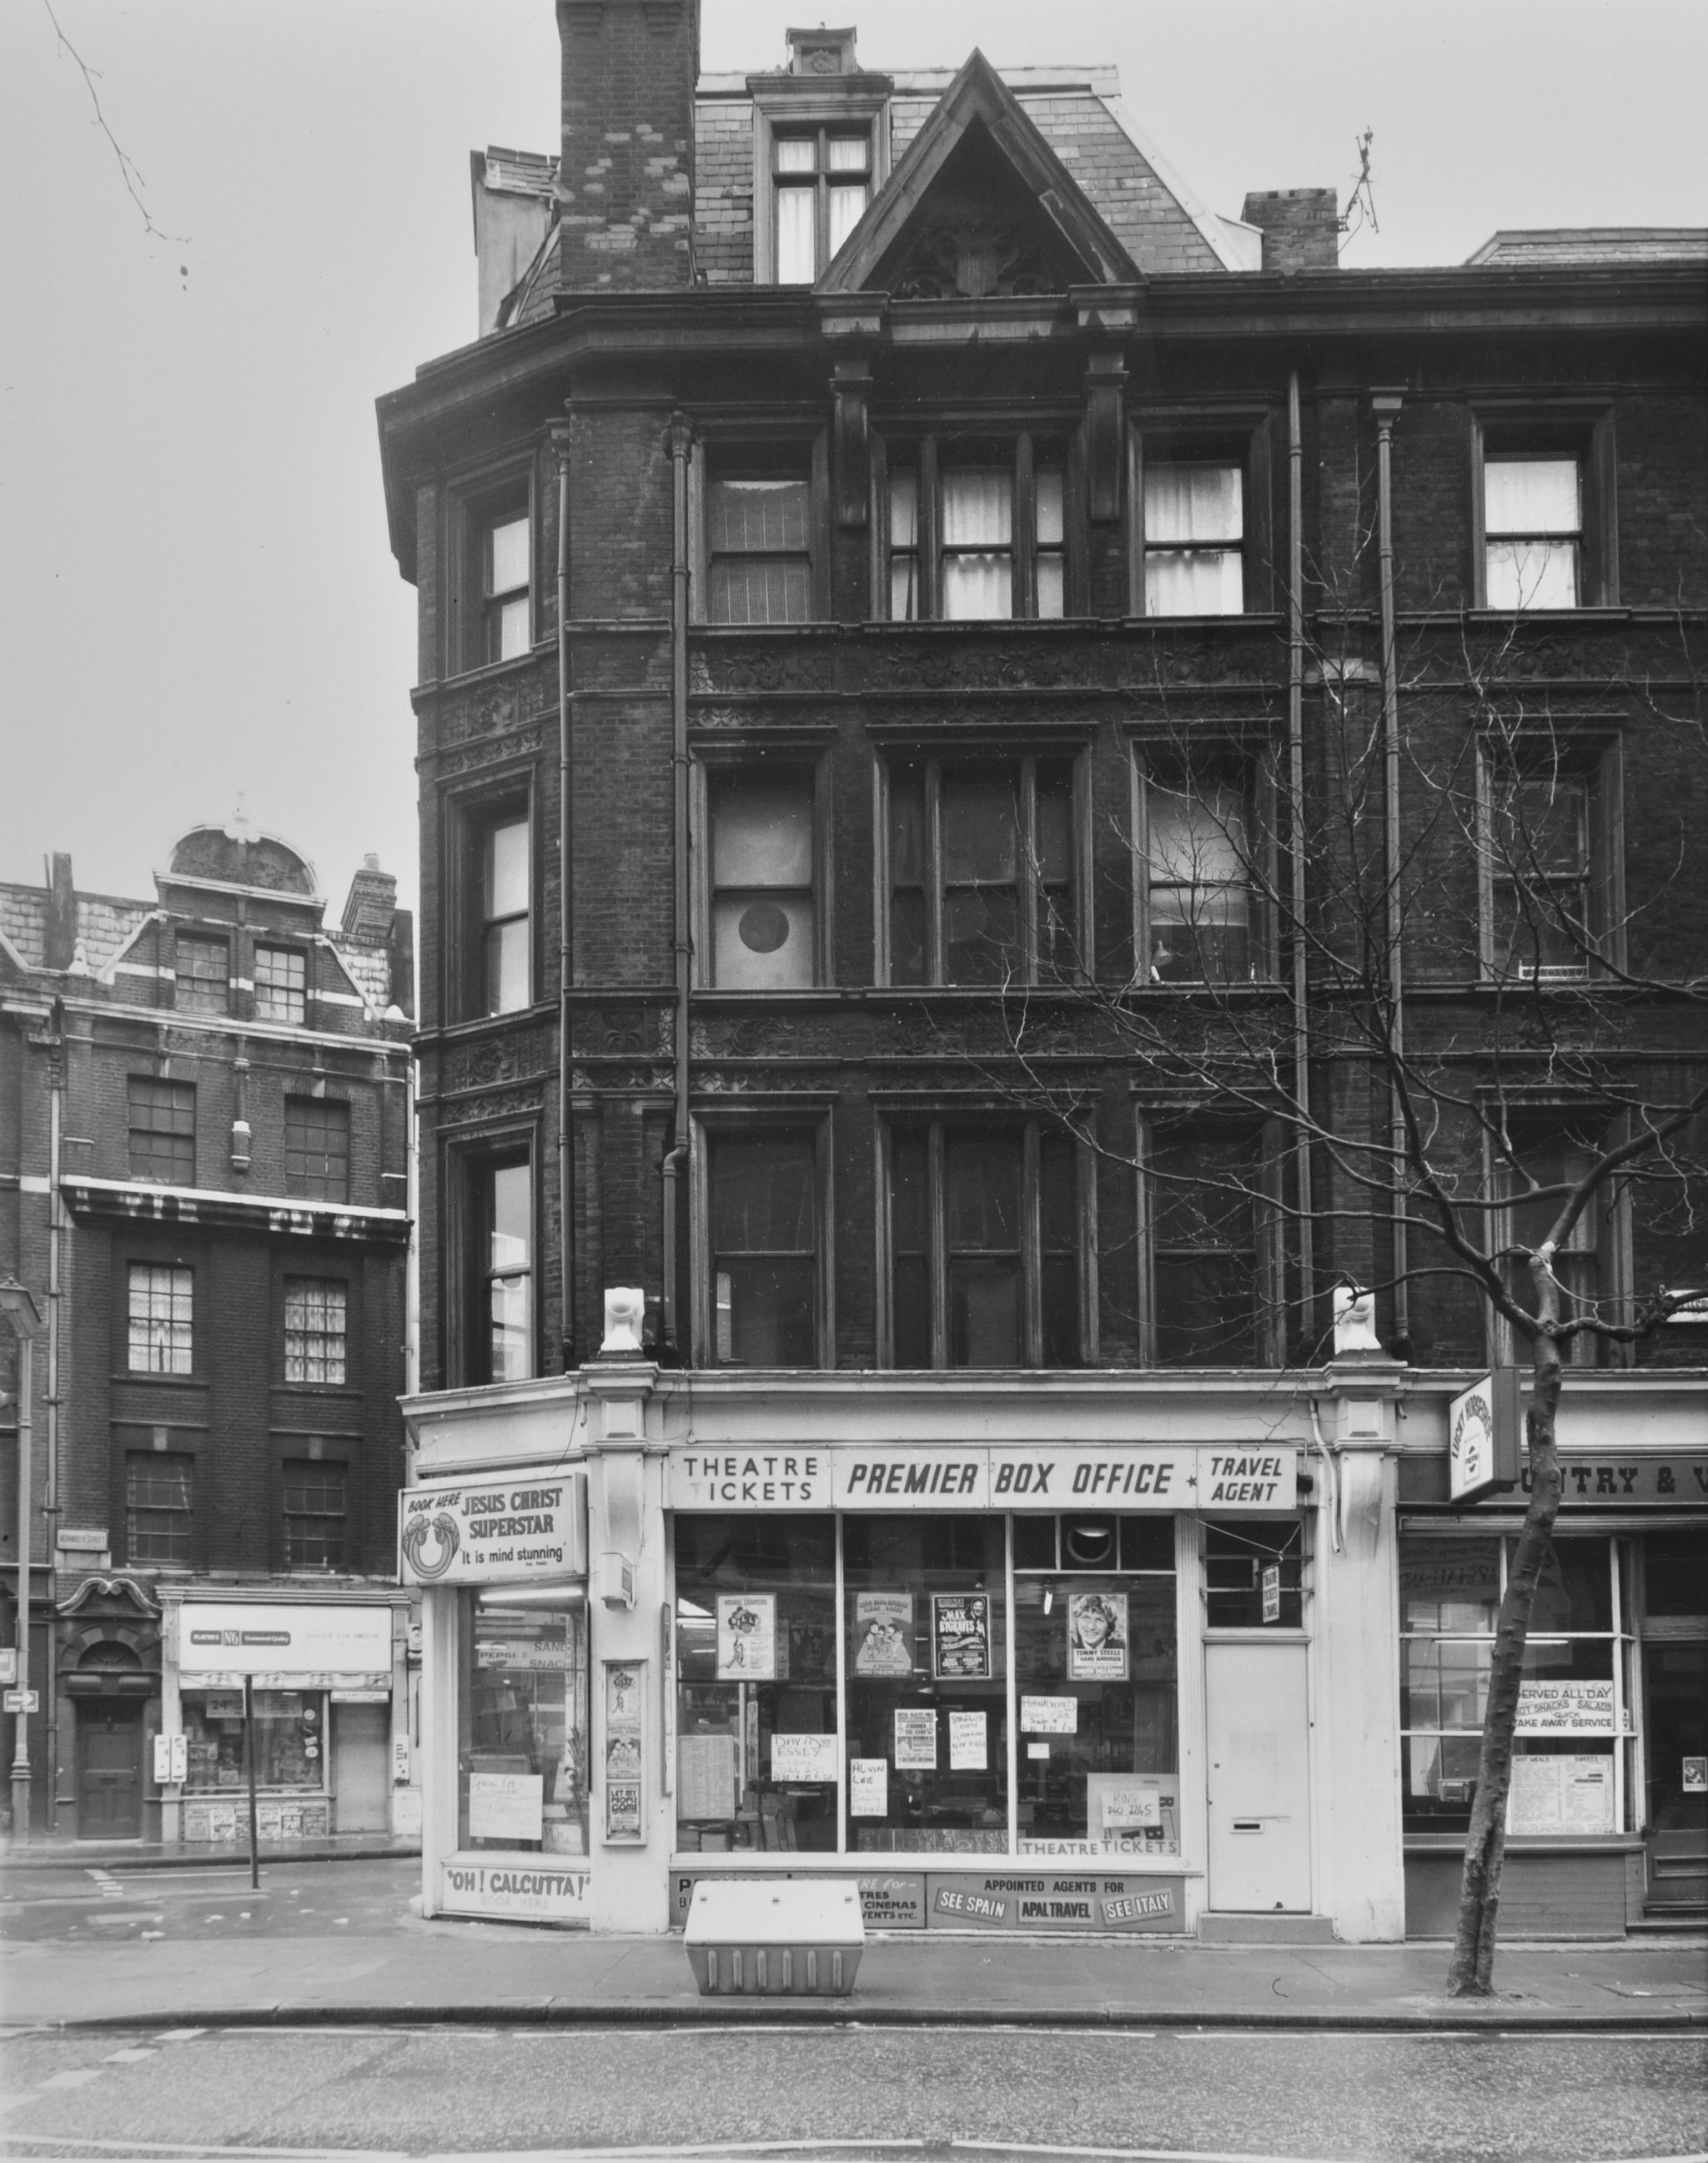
<point>747,1636</point>
<point>960,1637</point>
<point>883,1633</point>
<point>1097,1636</point>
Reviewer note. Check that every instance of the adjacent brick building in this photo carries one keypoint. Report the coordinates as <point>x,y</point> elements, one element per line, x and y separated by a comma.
<point>204,1181</point>
<point>913,606</point>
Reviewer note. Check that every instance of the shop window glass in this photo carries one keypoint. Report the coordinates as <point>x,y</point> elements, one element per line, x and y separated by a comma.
<point>1568,1775</point>
<point>1236,1555</point>
<point>522,1722</point>
<point>1096,1687</point>
<point>1676,1573</point>
<point>757,1749</point>
<point>290,1731</point>
<point>927,1702</point>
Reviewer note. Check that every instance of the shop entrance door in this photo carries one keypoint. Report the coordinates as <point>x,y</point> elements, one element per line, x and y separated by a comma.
<point>1675,1673</point>
<point>109,1771</point>
<point>362,1766</point>
<point>1258,1743</point>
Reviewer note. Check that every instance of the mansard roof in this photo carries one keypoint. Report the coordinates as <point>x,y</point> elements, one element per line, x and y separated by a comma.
<point>977,201</point>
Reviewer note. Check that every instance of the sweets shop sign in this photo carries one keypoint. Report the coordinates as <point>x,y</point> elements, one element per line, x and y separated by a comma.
<point>493,1529</point>
<point>1007,1476</point>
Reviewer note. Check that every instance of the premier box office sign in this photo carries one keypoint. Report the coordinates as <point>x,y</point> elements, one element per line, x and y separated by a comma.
<point>494,1528</point>
<point>1008,1476</point>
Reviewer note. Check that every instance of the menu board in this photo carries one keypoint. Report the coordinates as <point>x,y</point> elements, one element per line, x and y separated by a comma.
<point>1561,1794</point>
<point>916,1739</point>
<point>960,1637</point>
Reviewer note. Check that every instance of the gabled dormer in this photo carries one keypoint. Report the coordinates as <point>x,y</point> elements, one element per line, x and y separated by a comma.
<point>979,206</point>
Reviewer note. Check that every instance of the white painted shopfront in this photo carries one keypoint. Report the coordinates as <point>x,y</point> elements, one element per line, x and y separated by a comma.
<point>1045,1652</point>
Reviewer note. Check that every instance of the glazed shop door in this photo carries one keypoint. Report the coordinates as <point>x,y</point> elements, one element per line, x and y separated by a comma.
<point>109,1771</point>
<point>1258,1741</point>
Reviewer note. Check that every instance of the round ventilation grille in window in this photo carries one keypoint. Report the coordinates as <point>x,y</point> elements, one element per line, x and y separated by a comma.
<point>764,927</point>
<point>1089,1543</point>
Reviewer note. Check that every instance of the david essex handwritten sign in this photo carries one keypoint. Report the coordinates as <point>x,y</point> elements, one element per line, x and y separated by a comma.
<point>1008,1476</point>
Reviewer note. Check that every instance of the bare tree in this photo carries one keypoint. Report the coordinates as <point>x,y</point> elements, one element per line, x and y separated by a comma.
<point>1389,985</point>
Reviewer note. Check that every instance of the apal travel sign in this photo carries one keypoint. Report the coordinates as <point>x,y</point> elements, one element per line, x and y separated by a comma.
<point>490,1529</point>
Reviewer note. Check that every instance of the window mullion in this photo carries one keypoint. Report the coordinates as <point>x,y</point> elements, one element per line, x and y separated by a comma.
<point>937,1230</point>
<point>1031,1249</point>
<point>934,969</point>
<point>1022,526</point>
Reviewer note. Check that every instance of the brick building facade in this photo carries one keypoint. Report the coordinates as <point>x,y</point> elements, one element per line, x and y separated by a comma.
<point>914,611</point>
<point>203,1174</point>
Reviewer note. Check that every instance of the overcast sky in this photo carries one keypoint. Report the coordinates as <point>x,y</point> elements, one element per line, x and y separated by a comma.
<point>198,598</point>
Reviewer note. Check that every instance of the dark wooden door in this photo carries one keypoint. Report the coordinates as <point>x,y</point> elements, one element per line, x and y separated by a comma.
<point>109,1771</point>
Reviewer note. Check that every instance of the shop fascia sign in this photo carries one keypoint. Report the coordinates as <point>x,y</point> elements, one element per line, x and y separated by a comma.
<point>1005,1476</point>
<point>1482,1437</point>
<point>218,1639</point>
<point>494,1528</point>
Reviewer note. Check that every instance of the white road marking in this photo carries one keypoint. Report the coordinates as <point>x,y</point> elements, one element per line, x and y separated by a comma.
<point>110,1889</point>
<point>133,2056</point>
<point>78,2076</point>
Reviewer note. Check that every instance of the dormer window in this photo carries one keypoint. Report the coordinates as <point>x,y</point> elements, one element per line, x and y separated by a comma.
<point>822,181</point>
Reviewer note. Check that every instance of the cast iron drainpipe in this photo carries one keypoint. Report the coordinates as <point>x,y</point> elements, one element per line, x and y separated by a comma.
<point>676,1156</point>
<point>1385,404</point>
<point>566,910</point>
<point>1296,788</point>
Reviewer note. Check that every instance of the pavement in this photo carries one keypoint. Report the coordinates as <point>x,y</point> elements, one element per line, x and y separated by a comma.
<point>146,1946</point>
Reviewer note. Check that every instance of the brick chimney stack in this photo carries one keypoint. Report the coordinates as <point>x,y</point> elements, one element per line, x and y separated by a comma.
<point>59,931</point>
<point>626,182</point>
<point>1300,228</point>
<point>373,903</point>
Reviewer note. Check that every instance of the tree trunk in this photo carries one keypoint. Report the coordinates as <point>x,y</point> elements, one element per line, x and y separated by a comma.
<point>1472,1973</point>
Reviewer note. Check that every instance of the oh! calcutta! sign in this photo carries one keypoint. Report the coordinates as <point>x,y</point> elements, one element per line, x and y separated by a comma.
<point>514,1886</point>
<point>493,1529</point>
<point>1007,1476</point>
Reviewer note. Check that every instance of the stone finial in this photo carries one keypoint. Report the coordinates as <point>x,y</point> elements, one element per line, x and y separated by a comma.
<point>625,1307</point>
<point>1354,1320</point>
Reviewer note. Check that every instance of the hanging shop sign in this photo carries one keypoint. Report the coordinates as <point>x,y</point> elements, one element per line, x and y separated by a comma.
<point>1008,1476</point>
<point>299,1644</point>
<point>1482,1437</point>
<point>493,1530</point>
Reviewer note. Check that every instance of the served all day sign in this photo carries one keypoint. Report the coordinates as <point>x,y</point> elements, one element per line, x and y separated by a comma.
<point>491,1531</point>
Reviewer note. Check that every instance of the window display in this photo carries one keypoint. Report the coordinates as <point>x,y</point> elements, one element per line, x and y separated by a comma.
<point>757,1731</point>
<point>1097,1678</point>
<point>522,1713</point>
<point>1004,1685</point>
<point>1569,1769</point>
<point>290,1729</point>
<point>926,1692</point>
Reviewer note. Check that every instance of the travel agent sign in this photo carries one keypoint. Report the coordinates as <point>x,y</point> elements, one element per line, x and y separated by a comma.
<point>492,1528</point>
<point>1007,1476</point>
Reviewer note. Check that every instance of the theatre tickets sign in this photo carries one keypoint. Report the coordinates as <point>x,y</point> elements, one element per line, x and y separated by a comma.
<point>1003,1476</point>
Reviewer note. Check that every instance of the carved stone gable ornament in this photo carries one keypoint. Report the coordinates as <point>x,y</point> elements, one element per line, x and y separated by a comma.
<point>971,258</point>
